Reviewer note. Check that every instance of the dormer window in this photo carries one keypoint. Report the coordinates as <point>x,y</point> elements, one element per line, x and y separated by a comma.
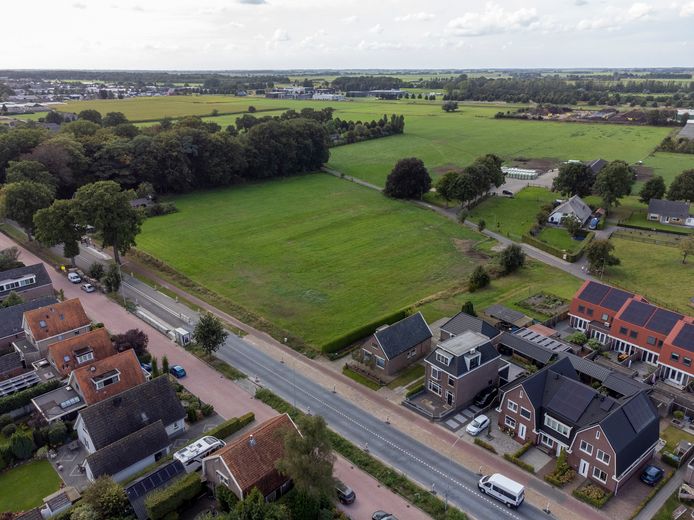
<point>84,357</point>
<point>106,379</point>
<point>443,358</point>
<point>472,359</point>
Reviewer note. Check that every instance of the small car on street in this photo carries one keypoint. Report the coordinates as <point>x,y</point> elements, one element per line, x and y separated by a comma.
<point>87,287</point>
<point>177,371</point>
<point>345,494</point>
<point>382,515</point>
<point>74,277</point>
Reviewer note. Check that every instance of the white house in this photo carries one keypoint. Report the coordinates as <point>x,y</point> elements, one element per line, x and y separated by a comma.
<point>574,207</point>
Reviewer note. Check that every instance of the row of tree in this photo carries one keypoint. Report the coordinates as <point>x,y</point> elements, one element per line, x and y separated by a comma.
<point>613,182</point>
<point>677,145</point>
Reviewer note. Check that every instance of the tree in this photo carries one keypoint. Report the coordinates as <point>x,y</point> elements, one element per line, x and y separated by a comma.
<point>164,365</point>
<point>112,279</point>
<point>21,445</point>
<point>209,333</point>
<point>108,498</point>
<point>599,255</point>
<point>512,258</point>
<point>103,205</point>
<point>134,339</point>
<point>687,247</point>
<point>90,115</point>
<point>251,109</point>
<point>254,507</point>
<point>572,224</point>
<point>33,171</point>
<point>464,188</point>
<point>654,188</point>
<point>9,258</point>
<point>14,299</point>
<point>574,179</point>
<point>97,271</point>
<point>308,458</point>
<point>614,182</point>
<point>114,119</point>
<point>155,367</point>
<point>479,278</point>
<point>54,117</point>
<point>481,224</point>
<point>57,432</point>
<point>409,179</point>
<point>445,186</point>
<point>23,199</point>
<point>468,308</point>
<point>682,187</point>
<point>59,224</point>
<point>449,106</point>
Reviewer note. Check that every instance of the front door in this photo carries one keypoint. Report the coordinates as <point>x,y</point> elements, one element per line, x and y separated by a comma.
<point>521,431</point>
<point>449,398</point>
<point>583,468</point>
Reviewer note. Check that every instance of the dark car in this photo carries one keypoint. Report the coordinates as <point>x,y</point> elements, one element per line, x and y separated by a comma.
<point>382,515</point>
<point>486,397</point>
<point>177,371</point>
<point>652,475</point>
<point>147,367</point>
<point>345,494</point>
<point>507,193</point>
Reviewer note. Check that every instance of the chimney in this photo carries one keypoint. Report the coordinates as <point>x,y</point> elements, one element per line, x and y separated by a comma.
<point>251,440</point>
<point>92,368</point>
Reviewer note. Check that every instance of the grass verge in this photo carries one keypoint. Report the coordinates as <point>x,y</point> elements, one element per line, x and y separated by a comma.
<point>359,378</point>
<point>220,366</point>
<point>410,374</point>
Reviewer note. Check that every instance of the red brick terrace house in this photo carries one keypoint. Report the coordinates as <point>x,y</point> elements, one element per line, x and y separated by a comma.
<point>628,323</point>
<point>607,440</point>
<point>81,350</point>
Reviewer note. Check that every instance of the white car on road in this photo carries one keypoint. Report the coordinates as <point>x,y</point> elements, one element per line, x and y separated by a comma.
<point>74,277</point>
<point>477,425</point>
<point>87,287</point>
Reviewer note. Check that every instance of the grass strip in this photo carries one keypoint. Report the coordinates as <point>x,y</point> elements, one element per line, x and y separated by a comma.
<point>359,378</point>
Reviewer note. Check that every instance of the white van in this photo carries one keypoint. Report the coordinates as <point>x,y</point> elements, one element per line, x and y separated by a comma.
<point>503,489</point>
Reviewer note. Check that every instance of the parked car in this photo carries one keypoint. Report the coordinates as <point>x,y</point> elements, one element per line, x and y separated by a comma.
<point>477,425</point>
<point>594,223</point>
<point>345,494</point>
<point>147,367</point>
<point>177,371</point>
<point>486,397</point>
<point>74,277</point>
<point>87,287</point>
<point>382,515</point>
<point>652,475</point>
<point>507,193</point>
<point>503,489</point>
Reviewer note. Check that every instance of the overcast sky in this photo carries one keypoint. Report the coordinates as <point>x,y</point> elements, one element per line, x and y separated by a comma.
<point>282,34</point>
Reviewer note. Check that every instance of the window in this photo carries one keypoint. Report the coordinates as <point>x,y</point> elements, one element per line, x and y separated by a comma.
<point>604,317</point>
<point>586,447</point>
<point>380,362</point>
<point>581,308</point>
<point>412,353</point>
<point>435,387</point>
<point>555,425</point>
<point>650,340</point>
<point>660,343</point>
<point>451,381</point>
<point>107,380</point>
<point>222,478</point>
<point>599,474</point>
<point>597,434</point>
<point>547,441</point>
<point>473,362</point>
<point>623,330</point>
<point>367,354</point>
<point>687,362</point>
<point>435,373</point>
<point>88,356</point>
<point>633,334</point>
<point>443,358</point>
<point>590,311</point>
<point>512,406</point>
<point>525,413</point>
<point>602,457</point>
<point>675,356</point>
<point>510,422</point>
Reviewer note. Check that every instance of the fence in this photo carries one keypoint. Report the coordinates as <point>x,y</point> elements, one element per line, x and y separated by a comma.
<point>637,237</point>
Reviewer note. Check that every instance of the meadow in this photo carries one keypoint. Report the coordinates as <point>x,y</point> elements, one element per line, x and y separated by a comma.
<point>668,165</point>
<point>24,486</point>
<point>316,255</point>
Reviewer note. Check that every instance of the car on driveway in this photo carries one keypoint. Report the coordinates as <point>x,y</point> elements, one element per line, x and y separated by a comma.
<point>486,397</point>
<point>477,425</point>
<point>87,287</point>
<point>652,475</point>
<point>382,515</point>
<point>147,367</point>
<point>345,494</point>
<point>177,371</point>
<point>507,193</point>
<point>594,223</point>
<point>74,277</point>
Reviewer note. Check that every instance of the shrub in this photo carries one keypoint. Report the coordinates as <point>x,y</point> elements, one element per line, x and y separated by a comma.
<point>161,208</point>
<point>8,430</point>
<point>22,445</point>
<point>592,494</point>
<point>231,426</point>
<point>479,278</point>
<point>41,453</point>
<point>563,473</point>
<point>225,498</point>
<point>578,338</point>
<point>415,390</point>
<point>207,410</point>
<point>678,414</point>
<point>96,271</point>
<point>481,224</point>
<point>463,215</point>
<point>20,399</point>
<point>484,445</point>
<point>57,432</point>
<point>593,344</point>
<point>360,332</point>
<point>5,420</point>
<point>521,464</point>
<point>512,258</point>
<point>170,499</point>
<point>191,414</point>
<point>521,451</point>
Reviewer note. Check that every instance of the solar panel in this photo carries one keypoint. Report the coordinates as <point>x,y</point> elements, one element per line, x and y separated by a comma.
<point>606,405</point>
<point>662,321</point>
<point>638,415</point>
<point>637,313</point>
<point>156,479</point>
<point>572,400</point>
<point>615,299</point>
<point>685,338</point>
<point>594,292</point>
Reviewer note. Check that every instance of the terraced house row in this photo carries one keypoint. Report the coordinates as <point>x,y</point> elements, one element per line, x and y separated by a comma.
<point>628,323</point>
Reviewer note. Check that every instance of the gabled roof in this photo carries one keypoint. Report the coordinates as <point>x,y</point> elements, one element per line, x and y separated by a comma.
<point>114,418</point>
<point>125,364</point>
<point>463,322</point>
<point>651,317</point>
<point>457,348</point>
<point>683,336</point>
<point>668,208</point>
<point>32,514</point>
<point>575,206</point>
<point>604,295</point>
<point>597,165</point>
<point>62,317</point>
<point>11,317</point>
<point>38,270</point>
<point>252,458</point>
<point>63,353</point>
<point>10,362</point>
<point>526,348</point>
<point>403,335</point>
<point>503,313</point>
<point>132,448</point>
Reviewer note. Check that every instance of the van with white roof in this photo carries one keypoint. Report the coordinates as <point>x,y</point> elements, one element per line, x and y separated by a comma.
<point>503,489</point>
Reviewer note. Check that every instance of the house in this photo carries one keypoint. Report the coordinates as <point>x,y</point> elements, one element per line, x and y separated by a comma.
<point>107,377</point>
<point>607,440</point>
<point>574,207</point>
<point>29,282</point>
<point>117,417</point>
<point>628,323</point>
<point>51,324</point>
<point>596,165</point>
<point>461,367</point>
<point>11,320</point>
<point>396,346</point>
<point>504,318</point>
<point>59,501</point>
<point>63,403</point>
<point>463,322</point>
<point>10,365</point>
<point>82,350</point>
<point>250,461</point>
<point>670,212</point>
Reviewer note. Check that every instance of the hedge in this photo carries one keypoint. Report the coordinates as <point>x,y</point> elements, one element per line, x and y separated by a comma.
<point>650,495</point>
<point>484,445</point>
<point>397,482</point>
<point>658,230</point>
<point>521,464</point>
<point>223,430</point>
<point>345,340</point>
<point>570,257</point>
<point>170,499</point>
<point>415,390</point>
<point>521,451</point>
<point>23,398</point>
<point>592,494</point>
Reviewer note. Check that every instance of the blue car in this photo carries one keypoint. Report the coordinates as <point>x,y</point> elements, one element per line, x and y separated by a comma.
<point>652,475</point>
<point>594,223</point>
<point>177,371</point>
<point>147,367</point>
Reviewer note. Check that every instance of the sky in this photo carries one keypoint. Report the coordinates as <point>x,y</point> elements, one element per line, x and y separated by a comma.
<point>344,34</point>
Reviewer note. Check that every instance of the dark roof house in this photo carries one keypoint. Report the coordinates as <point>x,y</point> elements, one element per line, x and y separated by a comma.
<point>597,165</point>
<point>463,322</point>
<point>671,209</point>
<point>403,335</point>
<point>30,282</point>
<point>11,317</point>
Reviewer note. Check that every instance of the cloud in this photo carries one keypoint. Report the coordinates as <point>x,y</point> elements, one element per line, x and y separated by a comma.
<point>638,11</point>
<point>415,17</point>
<point>79,5</point>
<point>378,46</point>
<point>493,20</point>
<point>280,35</point>
<point>581,2</point>
<point>616,19</point>
<point>376,29</point>
<point>252,2</point>
<point>687,9</point>
<point>350,19</point>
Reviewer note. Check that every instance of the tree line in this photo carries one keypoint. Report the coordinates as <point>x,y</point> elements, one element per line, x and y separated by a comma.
<point>348,83</point>
<point>677,145</point>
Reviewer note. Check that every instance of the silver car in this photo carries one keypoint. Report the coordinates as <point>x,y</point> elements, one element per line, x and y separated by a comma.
<point>477,425</point>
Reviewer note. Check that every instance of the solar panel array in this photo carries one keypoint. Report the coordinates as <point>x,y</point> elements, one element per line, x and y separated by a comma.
<point>571,404</point>
<point>638,415</point>
<point>662,321</point>
<point>607,404</point>
<point>637,313</point>
<point>156,479</point>
<point>615,299</point>
<point>594,292</point>
<point>685,338</point>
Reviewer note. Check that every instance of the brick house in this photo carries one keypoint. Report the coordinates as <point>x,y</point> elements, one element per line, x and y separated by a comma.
<point>82,350</point>
<point>396,346</point>
<point>463,322</point>
<point>607,440</point>
<point>461,367</point>
<point>29,282</point>
<point>628,323</point>
<point>11,321</point>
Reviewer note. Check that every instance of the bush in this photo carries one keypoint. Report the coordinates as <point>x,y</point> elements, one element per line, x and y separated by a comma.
<point>225,498</point>
<point>463,215</point>
<point>415,390</point>
<point>231,426</point>
<point>41,453</point>
<point>96,271</point>
<point>5,420</point>
<point>592,494</point>
<point>173,497</point>
<point>22,445</point>
<point>479,278</point>
<point>57,432</point>
<point>521,464</point>
<point>594,344</point>
<point>191,414</point>
<point>8,430</point>
<point>161,208</point>
<point>577,338</point>
<point>484,445</point>
<point>678,414</point>
<point>20,399</point>
<point>207,410</point>
<point>350,337</point>
<point>563,473</point>
<point>521,451</point>
<point>512,258</point>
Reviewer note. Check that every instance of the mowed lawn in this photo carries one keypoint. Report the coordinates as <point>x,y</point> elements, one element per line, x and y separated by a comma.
<point>25,486</point>
<point>668,165</point>
<point>314,254</point>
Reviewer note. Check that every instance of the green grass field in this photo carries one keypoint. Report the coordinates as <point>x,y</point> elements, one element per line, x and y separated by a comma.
<point>316,255</point>
<point>559,238</point>
<point>25,486</point>
<point>668,165</point>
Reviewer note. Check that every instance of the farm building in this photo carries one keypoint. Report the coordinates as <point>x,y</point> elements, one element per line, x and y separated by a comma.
<point>574,207</point>
<point>519,173</point>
